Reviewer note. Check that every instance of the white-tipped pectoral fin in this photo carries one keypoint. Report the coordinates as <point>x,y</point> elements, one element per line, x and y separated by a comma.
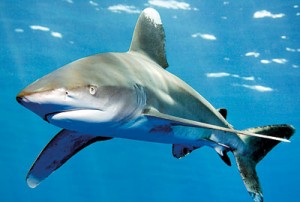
<point>60,149</point>
<point>156,115</point>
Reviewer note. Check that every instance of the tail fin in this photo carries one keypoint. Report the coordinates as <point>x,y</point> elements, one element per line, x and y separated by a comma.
<point>256,149</point>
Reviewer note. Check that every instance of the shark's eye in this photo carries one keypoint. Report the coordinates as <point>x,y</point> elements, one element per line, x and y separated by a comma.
<point>93,90</point>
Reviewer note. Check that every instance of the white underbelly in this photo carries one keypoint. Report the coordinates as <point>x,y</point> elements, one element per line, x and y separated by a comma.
<point>92,122</point>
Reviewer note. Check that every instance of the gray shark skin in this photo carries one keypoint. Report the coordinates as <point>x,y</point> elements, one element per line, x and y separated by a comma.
<point>131,95</point>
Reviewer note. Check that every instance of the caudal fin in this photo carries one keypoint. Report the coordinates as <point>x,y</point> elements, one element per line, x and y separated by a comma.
<point>256,149</point>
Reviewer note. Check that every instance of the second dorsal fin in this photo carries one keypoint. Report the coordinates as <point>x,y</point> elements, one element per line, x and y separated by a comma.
<point>149,37</point>
<point>223,112</point>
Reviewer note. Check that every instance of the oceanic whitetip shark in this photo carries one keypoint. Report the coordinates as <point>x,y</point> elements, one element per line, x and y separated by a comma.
<point>132,95</point>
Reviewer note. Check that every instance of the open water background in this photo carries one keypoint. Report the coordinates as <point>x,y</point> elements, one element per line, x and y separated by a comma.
<point>241,55</point>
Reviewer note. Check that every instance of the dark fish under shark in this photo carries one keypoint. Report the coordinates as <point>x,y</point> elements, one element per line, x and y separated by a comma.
<point>131,95</point>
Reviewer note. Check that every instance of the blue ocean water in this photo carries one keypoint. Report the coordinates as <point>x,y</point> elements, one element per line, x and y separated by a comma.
<point>244,56</point>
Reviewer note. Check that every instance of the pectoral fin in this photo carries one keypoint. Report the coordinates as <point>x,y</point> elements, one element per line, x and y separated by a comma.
<point>156,116</point>
<point>60,149</point>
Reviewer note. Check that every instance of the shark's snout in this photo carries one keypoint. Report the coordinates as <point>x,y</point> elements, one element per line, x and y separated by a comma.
<point>19,99</point>
<point>22,98</point>
<point>41,103</point>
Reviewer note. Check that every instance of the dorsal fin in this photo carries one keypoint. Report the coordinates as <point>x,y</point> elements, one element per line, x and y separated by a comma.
<point>149,37</point>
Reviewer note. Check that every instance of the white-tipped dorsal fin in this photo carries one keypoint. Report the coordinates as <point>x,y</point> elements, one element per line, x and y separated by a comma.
<point>149,37</point>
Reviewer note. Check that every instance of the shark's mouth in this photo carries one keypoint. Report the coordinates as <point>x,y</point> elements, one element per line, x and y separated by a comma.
<point>77,116</point>
<point>71,111</point>
<point>49,114</point>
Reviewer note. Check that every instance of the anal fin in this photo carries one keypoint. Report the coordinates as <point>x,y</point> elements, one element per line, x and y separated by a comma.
<point>223,155</point>
<point>222,150</point>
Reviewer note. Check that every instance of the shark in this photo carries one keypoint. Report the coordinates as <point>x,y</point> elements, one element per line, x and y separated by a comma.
<point>131,95</point>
